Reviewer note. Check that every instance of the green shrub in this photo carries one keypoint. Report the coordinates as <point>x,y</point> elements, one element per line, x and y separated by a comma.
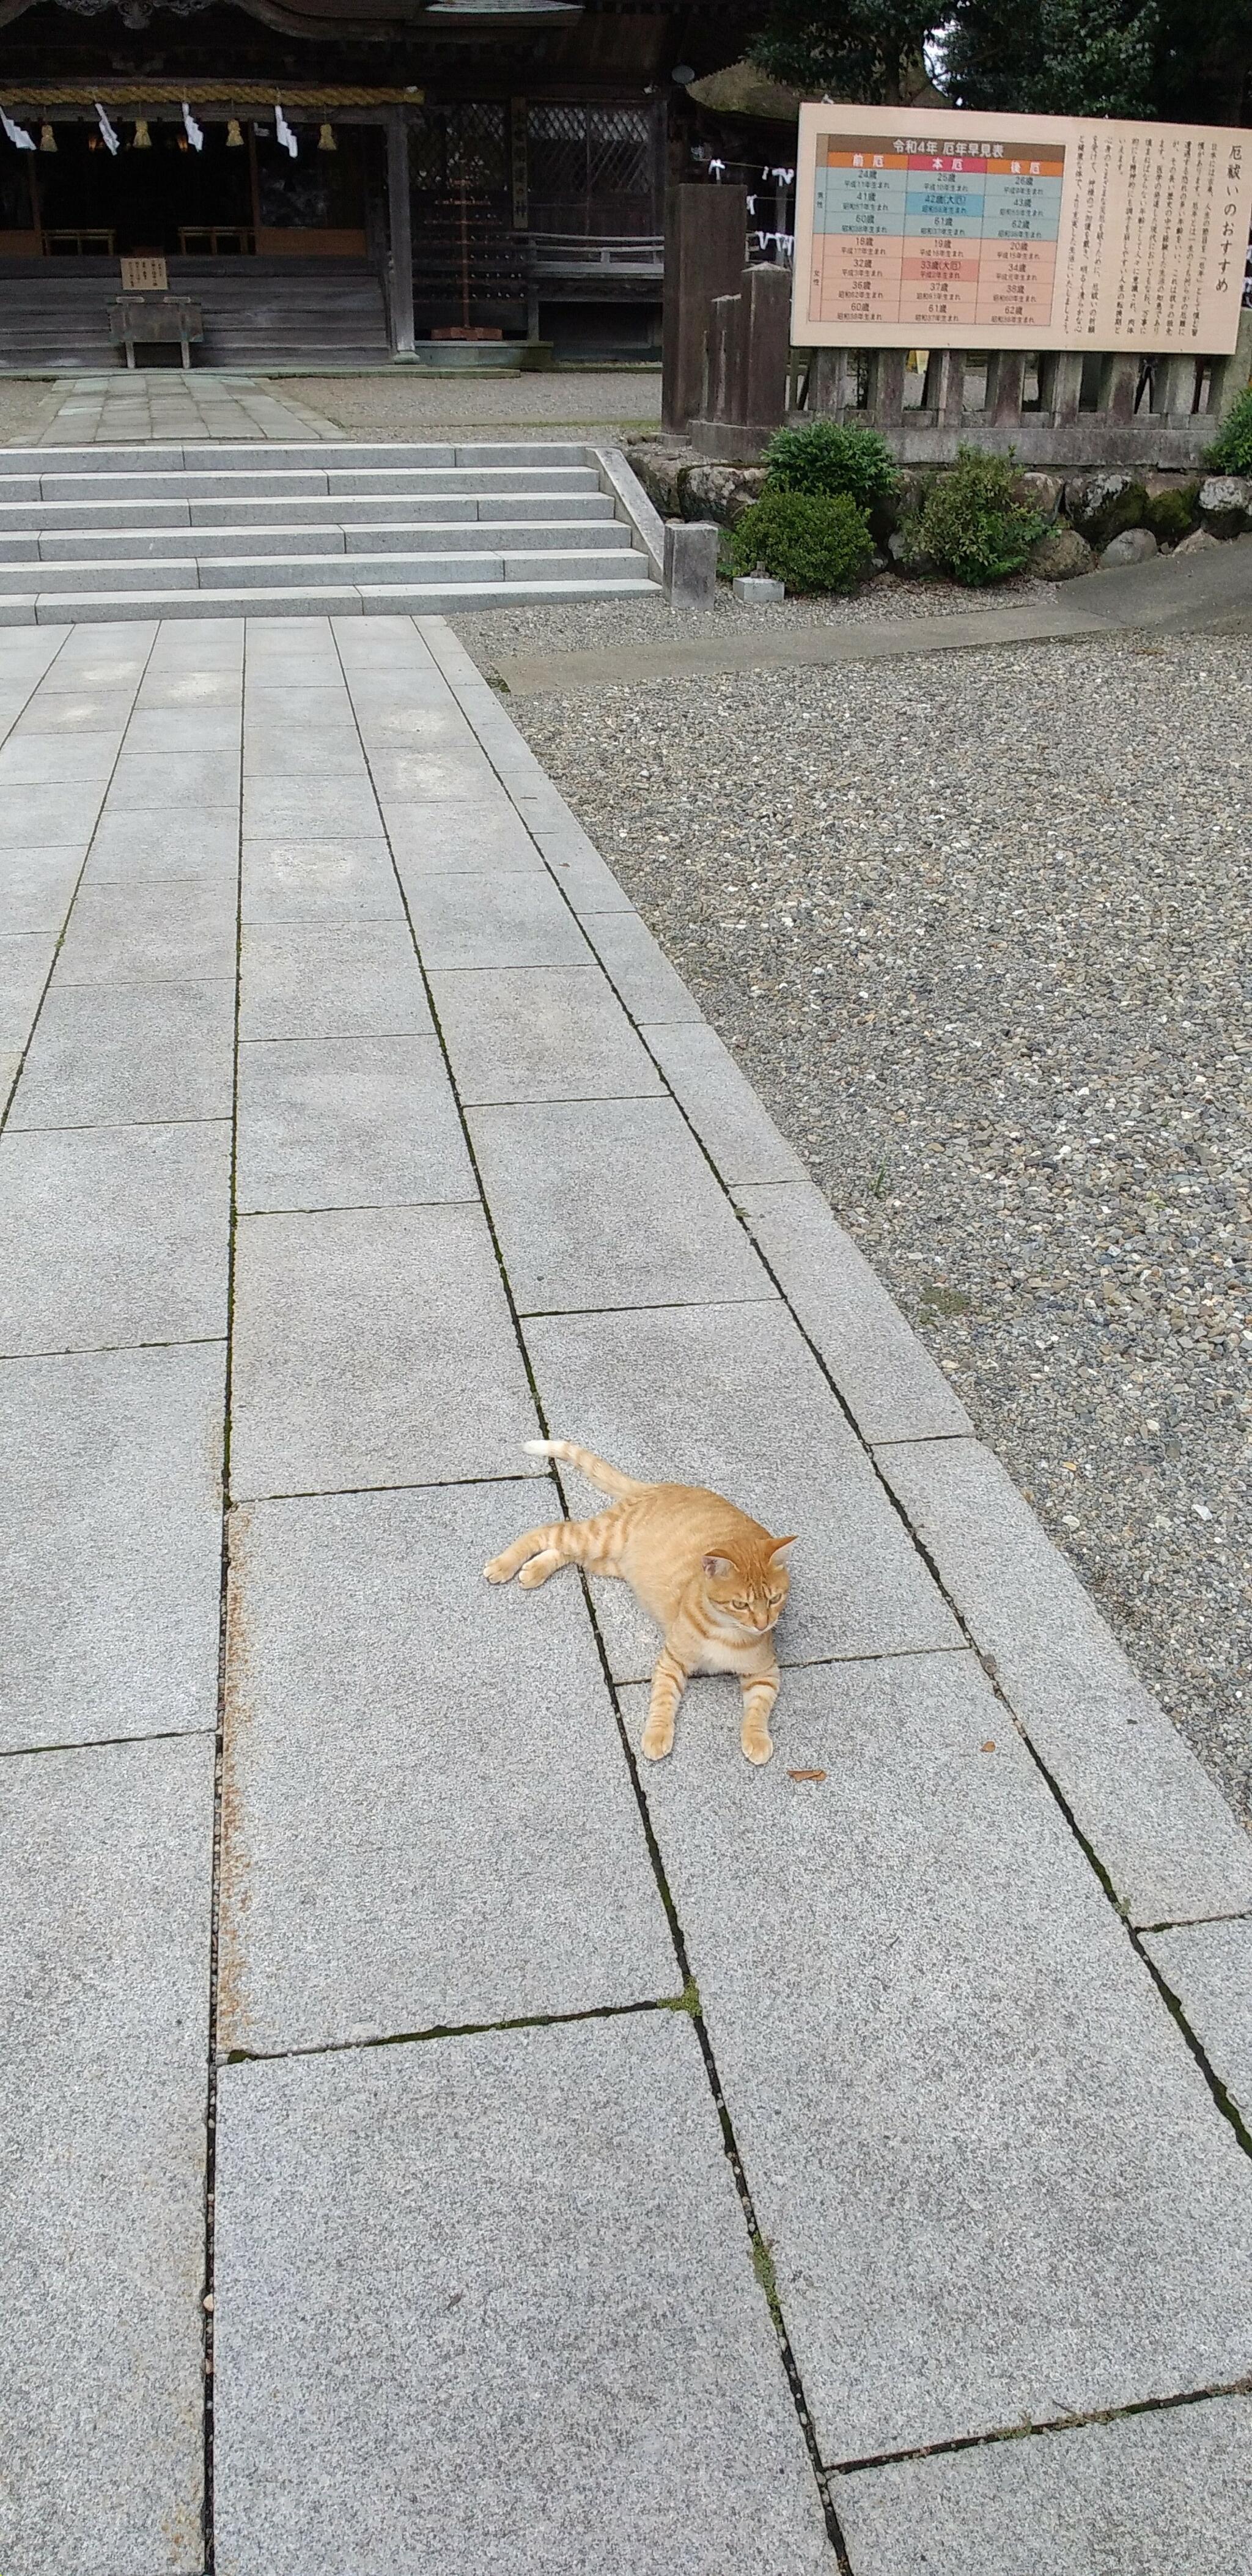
<point>1172,515</point>
<point>972,525</point>
<point>826,458</point>
<point>809,540</point>
<point>1231,451</point>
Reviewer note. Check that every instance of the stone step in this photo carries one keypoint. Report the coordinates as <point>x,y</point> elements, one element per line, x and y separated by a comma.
<point>249,456</point>
<point>84,546</point>
<point>260,483</point>
<point>305,571</point>
<point>387,599</point>
<point>366,510</point>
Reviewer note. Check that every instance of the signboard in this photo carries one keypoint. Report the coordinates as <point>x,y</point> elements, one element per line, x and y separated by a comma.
<point>918,226</point>
<point>141,276</point>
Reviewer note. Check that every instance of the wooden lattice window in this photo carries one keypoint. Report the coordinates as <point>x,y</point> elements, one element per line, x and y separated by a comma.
<point>467,140</point>
<point>590,167</point>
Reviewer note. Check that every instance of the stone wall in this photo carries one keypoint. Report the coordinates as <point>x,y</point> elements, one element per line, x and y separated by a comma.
<point>1109,515</point>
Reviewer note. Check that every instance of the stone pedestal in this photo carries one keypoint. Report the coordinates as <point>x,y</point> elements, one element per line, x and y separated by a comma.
<point>690,565</point>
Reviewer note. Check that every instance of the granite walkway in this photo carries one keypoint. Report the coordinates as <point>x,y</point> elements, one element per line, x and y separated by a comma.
<point>459,2144</point>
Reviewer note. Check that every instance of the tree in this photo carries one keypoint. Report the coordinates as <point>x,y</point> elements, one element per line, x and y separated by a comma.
<point>1189,59</point>
<point>862,49</point>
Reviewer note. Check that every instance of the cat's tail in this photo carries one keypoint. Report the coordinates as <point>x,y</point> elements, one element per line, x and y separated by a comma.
<point>609,1479</point>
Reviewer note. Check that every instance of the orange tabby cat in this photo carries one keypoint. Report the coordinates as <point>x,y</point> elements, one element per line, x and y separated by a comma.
<point>713,1580</point>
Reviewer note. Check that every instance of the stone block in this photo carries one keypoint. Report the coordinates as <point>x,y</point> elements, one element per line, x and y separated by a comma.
<point>757,590</point>
<point>145,932</point>
<point>113,1235</point>
<point>460,840</point>
<point>114,1055</point>
<point>730,1121</point>
<point>540,1033</point>
<point>690,563</point>
<point>357,979</point>
<point>372,1347</point>
<point>888,1380</point>
<point>991,2175</point>
<point>640,972</point>
<point>107,1864</point>
<point>429,1821</point>
<point>491,2373</point>
<point>606,1204</point>
<point>512,920</point>
<point>1156,2493</point>
<point>728,1396</point>
<point>347,1122</point>
<point>1208,1968</point>
<point>1157,1824</point>
<point>319,881</point>
<point>110,1506</point>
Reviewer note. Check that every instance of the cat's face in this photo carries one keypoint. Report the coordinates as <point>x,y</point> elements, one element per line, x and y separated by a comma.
<point>750,1595</point>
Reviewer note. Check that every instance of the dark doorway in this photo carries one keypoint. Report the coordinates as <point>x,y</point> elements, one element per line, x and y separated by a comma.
<point>147,197</point>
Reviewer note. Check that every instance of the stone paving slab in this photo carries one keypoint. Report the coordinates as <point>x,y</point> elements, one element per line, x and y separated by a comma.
<point>104,1994</point>
<point>638,971</point>
<point>347,1122</point>
<point>372,1346</point>
<point>539,1033</point>
<point>429,1821</point>
<point>110,1535</point>
<point>990,2172</point>
<point>514,919</point>
<point>24,964</point>
<point>1158,1825</point>
<point>358,979</point>
<point>429,2356</point>
<point>319,881</point>
<point>1153,2495</point>
<point>36,887</point>
<point>115,1054</point>
<point>141,932</point>
<point>460,840</point>
<point>1208,1968</point>
<point>888,1380</point>
<point>113,1235</point>
<point>729,1396</point>
<point>609,1203</point>
<point>721,1104</point>
<point>141,849</point>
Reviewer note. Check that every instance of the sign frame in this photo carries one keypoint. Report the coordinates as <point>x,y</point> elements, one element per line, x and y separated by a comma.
<point>1151,232</point>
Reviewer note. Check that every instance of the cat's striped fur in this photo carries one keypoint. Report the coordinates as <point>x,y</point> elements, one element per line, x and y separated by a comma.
<point>714,1581</point>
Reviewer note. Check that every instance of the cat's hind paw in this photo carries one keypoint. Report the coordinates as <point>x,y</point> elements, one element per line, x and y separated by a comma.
<point>658,1741</point>
<point>757,1748</point>
<point>538,1568</point>
<point>499,1570</point>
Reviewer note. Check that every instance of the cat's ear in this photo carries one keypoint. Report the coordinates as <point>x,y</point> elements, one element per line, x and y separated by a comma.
<point>777,1545</point>
<point>718,1565</point>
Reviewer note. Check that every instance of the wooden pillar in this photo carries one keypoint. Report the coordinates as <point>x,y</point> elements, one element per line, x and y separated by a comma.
<point>1060,384</point>
<point>1005,370</point>
<point>1174,382</point>
<point>399,234</point>
<point>706,229</point>
<point>1119,380</point>
<point>943,386</point>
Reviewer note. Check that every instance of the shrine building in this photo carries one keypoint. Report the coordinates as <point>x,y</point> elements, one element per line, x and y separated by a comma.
<point>346,185</point>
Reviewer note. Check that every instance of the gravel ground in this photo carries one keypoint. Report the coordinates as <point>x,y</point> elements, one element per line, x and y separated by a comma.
<point>588,402</point>
<point>974,929</point>
<point>491,634</point>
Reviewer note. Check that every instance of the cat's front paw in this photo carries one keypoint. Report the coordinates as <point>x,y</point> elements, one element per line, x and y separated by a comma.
<point>658,1739</point>
<point>499,1570</point>
<point>757,1748</point>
